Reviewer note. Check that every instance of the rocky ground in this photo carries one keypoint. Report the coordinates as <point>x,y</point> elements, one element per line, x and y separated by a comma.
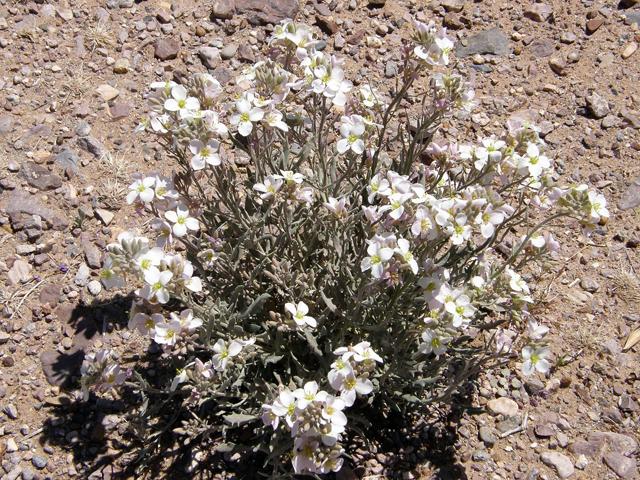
<point>72,79</point>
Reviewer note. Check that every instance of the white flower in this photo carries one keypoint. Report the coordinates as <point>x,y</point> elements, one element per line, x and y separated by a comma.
<point>145,324</point>
<point>167,85</point>
<point>396,204</point>
<point>424,225</point>
<point>209,257</point>
<point>149,259</point>
<point>223,353</point>
<point>181,220</point>
<point>516,282</point>
<point>285,406</point>
<point>353,385</point>
<point>181,103</point>
<point>461,310</point>
<point>270,186</point>
<point>378,256</point>
<point>156,291</point>
<point>109,277</point>
<point>309,394</point>
<point>536,331</point>
<point>363,352</point>
<point>461,231</point>
<point>488,220</point>
<point>369,96</point>
<point>211,120</point>
<point>167,333</point>
<point>188,322</point>
<point>204,154</point>
<point>164,189</point>
<point>403,250</point>
<point>289,176</point>
<point>143,189</point>
<point>376,186</point>
<point>533,161</point>
<point>274,119</point>
<point>178,379</point>
<point>337,207</point>
<point>246,116</point>
<point>535,360</point>
<point>299,314</point>
<point>351,130</point>
<point>433,343</point>
<point>332,411</point>
<point>598,204</point>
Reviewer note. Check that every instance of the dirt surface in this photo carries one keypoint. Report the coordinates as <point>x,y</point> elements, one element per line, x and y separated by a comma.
<point>73,75</point>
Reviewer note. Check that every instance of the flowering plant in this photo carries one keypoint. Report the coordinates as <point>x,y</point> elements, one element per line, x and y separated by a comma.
<point>353,265</point>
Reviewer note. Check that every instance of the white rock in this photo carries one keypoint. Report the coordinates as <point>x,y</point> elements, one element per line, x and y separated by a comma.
<point>94,287</point>
<point>560,462</point>
<point>107,92</point>
<point>582,462</point>
<point>503,406</point>
<point>82,276</point>
<point>11,446</point>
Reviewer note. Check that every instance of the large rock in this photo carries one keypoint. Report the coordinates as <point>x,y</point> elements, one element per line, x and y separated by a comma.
<point>259,12</point>
<point>503,406</point>
<point>39,177</point>
<point>492,41</point>
<point>623,466</point>
<point>599,442</point>
<point>631,198</point>
<point>23,202</point>
<point>20,269</point>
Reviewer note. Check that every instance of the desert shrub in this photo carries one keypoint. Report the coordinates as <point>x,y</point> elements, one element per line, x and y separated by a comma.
<point>356,265</point>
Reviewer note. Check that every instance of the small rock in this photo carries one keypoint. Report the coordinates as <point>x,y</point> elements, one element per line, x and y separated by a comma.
<point>163,16</point>
<point>39,461</point>
<point>166,49</point>
<point>93,256</point>
<point>594,24</point>
<point>29,474</point>
<point>121,66</point>
<point>20,270</point>
<point>597,442</point>
<point>68,158</point>
<point>487,436</point>
<point>582,462</point>
<point>629,50</point>
<point>568,38</point>
<point>83,129</point>
<point>357,37</point>
<point>453,5</point>
<point>543,431</point>
<point>224,9</point>
<point>597,105</point>
<point>6,123</point>
<point>82,275</point>
<point>563,439</point>
<point>39,177</point>
<point>491,41</point>
<point>120,111</point>
<point>538,12</point>
<point>627,404</point>
<point>105,216</point>
<point>229,51</point>
<point>339,42</point>
<point>560,462</point>
<point>390,69</point>
<point>511,423</point>
<point>93,146</point>
<point>590,284</point>
<point>200,31</point>
<point>11,411</point>
<point>503,406</point>
<point>94,287</point>
<point>11,445</point>
<point>558,65</point>
<point>245,53</point>
<point>542,48</point>
<point>480,455</point>
<point>210,56</point>
<point>258,12</point>
<point>107,92</point>
<point>623,466</point>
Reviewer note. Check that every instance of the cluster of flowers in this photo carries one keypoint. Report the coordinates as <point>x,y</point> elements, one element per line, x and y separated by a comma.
<point>98,372</point>
<point>315,418</point>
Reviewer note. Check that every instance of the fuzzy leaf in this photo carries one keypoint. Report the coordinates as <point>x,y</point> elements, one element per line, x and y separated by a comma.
<point>239,419</point>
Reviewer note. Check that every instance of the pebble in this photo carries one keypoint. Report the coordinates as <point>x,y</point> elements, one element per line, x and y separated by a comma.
<point>597,105</point>
<point>590,284</point>
<point>480,455</point>
<point>503,406</point>
<point>594,24</point>
<point>82,275</point>
<point>558,65</point>
<point>487,436</point>
<point>105,216</point>
<point>543,431</point>
<point>39,461</point>
<point>166,49</point>
<point>538,12</point>
<point>11,445</point>
<point>107,92</point>
<point>629,50</point>
<point>210,56</point>
<point>491,41</point>
<point>94,287</point>
<point>121,66</point>
<point>560,462</point>
<point>582,462</point>
<point>229,51</point>
<point>11,411</point>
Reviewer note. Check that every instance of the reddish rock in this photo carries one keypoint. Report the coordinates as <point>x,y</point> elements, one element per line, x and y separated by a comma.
<point>598,442</point>
<point>166,49</point>
<point>357,37</point>
<point>246,53</point>
<point>538,12</point>
<point>623,466</point>
<point>594,24</point>
<point>39,177</point>
<point>326,25</point>
<point>120,111</point>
